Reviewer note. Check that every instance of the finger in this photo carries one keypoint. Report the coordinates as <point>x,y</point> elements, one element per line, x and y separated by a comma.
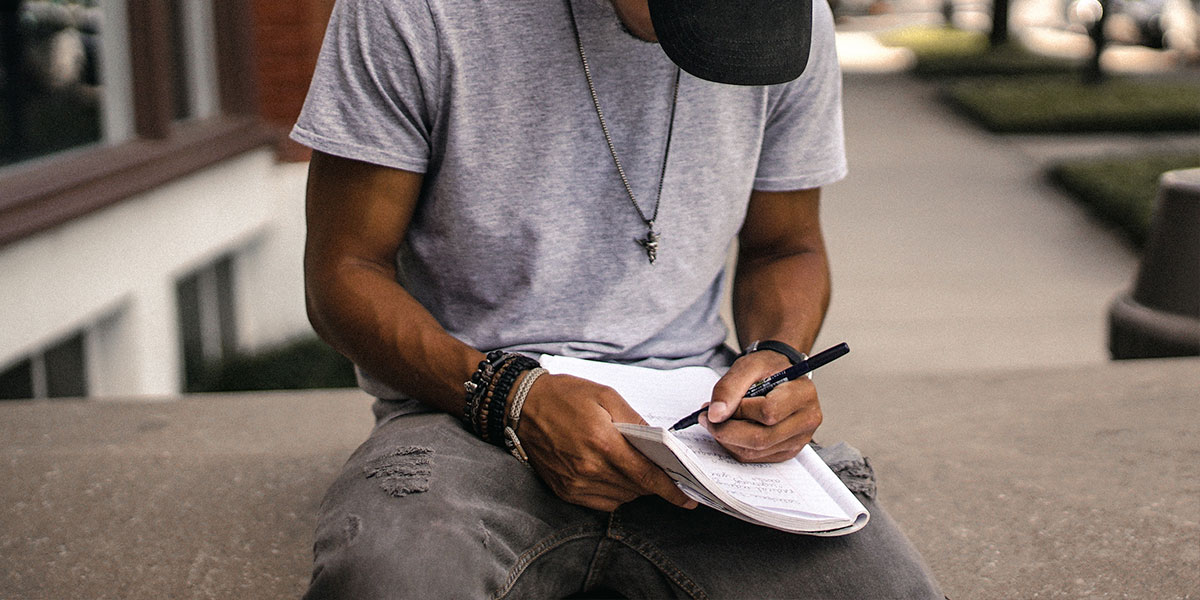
<point>641,472</point>
<point>776,453</point>
<point>594,484</point>
<point>765,410</point>
<point>780,404</point>
<point>771,457</point>
<point>751,437</point>
<point>729,391</point>
<point>758,438</point>
<point>641,476</point>
<point>649,477</point>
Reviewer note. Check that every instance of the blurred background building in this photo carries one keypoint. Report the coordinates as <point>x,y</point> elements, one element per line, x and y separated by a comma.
<point>151,213</point>
<point>151,208</point>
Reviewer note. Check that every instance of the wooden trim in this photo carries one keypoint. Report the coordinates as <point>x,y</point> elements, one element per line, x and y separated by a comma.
<point>150,65</point>
<point>45,193</point>
<point>236,67</point>
<point>54,192</point>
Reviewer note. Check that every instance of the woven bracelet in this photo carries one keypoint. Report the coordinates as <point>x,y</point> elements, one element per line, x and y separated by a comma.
<point>511,441</point>
<point>487,392</point>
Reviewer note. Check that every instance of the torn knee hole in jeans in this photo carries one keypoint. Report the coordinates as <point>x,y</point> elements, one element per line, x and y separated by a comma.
<point>403,471</point>
<point>850,466</point>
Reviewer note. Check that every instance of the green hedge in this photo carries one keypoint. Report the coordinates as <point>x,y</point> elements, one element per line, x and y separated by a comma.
<point>1121,190</point>
<point>301,364</point>
<point>1064,104</point>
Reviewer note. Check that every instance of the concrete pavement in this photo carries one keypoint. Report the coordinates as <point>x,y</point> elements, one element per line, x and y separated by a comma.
<point>949,249</point>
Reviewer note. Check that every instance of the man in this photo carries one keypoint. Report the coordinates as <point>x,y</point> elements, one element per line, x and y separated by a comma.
<point>540,177</point>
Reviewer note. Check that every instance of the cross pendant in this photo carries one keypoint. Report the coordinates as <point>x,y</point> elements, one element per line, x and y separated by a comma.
<point>650,243</point>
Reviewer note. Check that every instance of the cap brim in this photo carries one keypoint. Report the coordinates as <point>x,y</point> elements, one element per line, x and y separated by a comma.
<point>750,42</point>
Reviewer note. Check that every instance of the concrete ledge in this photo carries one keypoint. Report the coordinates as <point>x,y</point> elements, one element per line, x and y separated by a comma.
<point>1074,482</point>
<point>1078,482</point>
<point>206,497</point>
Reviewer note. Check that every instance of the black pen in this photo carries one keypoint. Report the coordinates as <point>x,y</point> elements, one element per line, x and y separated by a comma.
<point>762,386</point>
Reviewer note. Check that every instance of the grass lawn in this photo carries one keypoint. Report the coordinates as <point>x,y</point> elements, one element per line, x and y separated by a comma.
<point>932,40</point>
<point>1119,190</point>
<point>946,52</point>
<point>1064,104</point>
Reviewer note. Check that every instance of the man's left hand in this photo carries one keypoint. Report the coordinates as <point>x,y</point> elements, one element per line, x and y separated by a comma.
<point>769,428</point>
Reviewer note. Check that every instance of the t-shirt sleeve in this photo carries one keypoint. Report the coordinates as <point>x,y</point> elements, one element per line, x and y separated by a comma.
<point>804,143</point>
<point>374,91</point>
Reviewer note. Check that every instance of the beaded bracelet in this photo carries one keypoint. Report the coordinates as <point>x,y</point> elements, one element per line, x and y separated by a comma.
<point>477,386</point>
<point>487,394</point>
<point>504,383</point>
<point>492,404</point>
<point>492,412</point>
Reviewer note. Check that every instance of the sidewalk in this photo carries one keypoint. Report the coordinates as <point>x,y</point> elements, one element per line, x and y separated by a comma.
<point>951,252</point>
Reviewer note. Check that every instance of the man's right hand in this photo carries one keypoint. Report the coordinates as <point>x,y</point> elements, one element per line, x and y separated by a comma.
<point>567,429</point>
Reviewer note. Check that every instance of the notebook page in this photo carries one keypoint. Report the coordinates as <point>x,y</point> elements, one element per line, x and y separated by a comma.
<point>663,397</point>
<point>785,486</point>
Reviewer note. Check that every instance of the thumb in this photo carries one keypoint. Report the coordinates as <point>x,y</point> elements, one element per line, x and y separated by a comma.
<point>721,409</point>
<point>727,394</point>
<point>621,411</point>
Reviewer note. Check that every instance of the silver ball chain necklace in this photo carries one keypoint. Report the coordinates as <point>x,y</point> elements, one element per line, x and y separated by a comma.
<point>650,242</point>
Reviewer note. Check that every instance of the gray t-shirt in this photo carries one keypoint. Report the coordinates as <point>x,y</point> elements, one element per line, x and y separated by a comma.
<point>524,236</point>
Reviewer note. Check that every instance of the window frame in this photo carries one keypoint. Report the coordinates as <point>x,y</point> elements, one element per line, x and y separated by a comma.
<point>46,192</point>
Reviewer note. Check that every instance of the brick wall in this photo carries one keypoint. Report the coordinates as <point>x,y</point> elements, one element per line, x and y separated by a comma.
<point>288,37</point>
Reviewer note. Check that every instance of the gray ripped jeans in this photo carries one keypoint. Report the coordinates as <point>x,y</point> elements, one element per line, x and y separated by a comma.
<point>423,509</point>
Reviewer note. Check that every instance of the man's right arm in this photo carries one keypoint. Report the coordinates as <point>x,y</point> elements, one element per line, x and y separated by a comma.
<point>357,216</point>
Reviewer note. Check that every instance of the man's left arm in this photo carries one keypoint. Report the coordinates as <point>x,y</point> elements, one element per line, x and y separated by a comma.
<point>780,292</point>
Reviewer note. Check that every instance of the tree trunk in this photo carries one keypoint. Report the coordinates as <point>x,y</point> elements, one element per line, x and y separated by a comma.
<point>1092,73</point>
<point>999,33</point>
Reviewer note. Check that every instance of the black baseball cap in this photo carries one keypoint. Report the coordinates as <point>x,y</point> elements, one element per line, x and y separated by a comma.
<point>742,42</point>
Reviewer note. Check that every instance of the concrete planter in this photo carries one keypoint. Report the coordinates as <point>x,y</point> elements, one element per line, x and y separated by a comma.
<point>1161,316</point>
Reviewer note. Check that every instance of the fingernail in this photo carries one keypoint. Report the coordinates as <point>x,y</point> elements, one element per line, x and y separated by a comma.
<point>716,411</point>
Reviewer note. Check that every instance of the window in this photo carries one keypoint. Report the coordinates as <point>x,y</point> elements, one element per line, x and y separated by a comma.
<point>102,99</point>
<point>16,382</point>
<point>59,371</point>
<point>207,326</point>
<point>65,79</point>
<point>50,91</point>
